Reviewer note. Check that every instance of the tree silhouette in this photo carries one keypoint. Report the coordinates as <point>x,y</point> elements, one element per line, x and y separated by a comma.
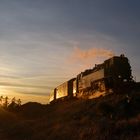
<point>19,102</point>
<point>14,105</point>
<point>13,100</point>
<point>5,105</point>
<point>1,100</point>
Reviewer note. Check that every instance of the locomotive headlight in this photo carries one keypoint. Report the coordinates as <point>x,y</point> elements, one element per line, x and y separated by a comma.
<point>119,76</point>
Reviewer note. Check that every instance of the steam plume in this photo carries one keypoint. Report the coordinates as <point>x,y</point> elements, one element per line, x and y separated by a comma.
<point>92,53</point>
<point>89,57</point>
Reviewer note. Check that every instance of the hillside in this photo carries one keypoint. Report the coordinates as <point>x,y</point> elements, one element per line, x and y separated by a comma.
<point>105,118</point>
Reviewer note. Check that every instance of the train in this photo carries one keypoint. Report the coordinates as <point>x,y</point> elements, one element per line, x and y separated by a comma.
<point>108,77</point>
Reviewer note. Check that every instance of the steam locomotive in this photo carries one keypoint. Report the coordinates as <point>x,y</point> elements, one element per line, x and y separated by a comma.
<point>110,76</point>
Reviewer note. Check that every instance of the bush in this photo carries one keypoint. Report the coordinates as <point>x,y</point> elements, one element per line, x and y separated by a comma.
<point>106,108</point>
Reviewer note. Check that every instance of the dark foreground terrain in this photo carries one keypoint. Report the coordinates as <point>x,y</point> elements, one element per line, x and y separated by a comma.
<point>113,117</point>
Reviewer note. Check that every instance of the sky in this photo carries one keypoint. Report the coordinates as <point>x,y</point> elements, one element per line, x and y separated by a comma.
<point>44,43</point>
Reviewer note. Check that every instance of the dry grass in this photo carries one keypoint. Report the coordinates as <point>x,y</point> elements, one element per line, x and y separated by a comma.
<point>105,118</point>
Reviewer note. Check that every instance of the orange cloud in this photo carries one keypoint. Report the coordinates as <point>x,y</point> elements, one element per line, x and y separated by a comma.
<point>92,53</point>
<point>87,58</point>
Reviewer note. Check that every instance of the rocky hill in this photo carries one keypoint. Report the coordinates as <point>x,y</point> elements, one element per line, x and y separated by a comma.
<point>116,116</point>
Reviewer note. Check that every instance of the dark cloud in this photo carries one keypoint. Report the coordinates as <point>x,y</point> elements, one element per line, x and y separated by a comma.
<point>38,20</point>
<point>33,93</point>
<point>22,85</point>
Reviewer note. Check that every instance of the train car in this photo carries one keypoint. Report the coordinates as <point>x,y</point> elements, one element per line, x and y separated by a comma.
<point>109,75</point>
<point>63,90</point>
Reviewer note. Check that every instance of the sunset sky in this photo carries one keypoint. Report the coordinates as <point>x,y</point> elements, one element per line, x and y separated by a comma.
<point>46,42</point>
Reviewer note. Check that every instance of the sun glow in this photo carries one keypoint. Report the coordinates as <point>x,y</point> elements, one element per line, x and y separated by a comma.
<point>5,92</point>
<point>10,93</point>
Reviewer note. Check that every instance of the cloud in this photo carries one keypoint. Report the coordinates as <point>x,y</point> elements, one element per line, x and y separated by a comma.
<point>22,85</point>
<point>87,57</point>
<point>8,76</point>
<point>33,93</point>
<point>92,53</point>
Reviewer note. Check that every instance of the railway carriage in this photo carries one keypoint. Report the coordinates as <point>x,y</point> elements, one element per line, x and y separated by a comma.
<point>63,90</point>
<point>109,75</point>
